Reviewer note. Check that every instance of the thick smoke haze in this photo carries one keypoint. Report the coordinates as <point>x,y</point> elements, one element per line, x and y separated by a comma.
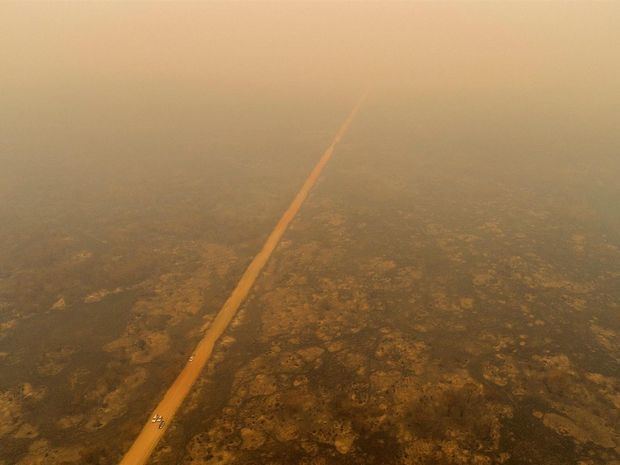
<point>102,64</point>
<point>316,46</point>
<point>444,289</point>
<point>152,81</point>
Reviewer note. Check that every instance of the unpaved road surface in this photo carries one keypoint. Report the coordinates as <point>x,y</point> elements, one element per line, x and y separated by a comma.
<point>145,443</point>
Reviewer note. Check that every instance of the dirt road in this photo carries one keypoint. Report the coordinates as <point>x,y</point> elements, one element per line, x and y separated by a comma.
<point>145,443</point>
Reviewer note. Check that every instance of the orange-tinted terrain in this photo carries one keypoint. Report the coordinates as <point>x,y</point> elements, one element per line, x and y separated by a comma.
<point>442,288</point>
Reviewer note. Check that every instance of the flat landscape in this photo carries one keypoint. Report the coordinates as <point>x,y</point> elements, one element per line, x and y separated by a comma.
<point>447,294</point>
